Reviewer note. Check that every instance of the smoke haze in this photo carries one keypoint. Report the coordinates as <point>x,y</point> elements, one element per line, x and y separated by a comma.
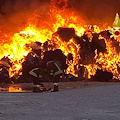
<point>14,13</point>
<point>97,11</point>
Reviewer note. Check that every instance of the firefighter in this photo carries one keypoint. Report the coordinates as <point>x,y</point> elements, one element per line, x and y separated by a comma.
<point>55,71</point>
<point>37,75</point>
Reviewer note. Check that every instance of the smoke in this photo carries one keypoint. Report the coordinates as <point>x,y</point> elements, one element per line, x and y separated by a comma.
<point>14,13</point>
<point>97,11</point>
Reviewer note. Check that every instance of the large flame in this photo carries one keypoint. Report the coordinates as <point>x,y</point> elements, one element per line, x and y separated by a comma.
<point>16,49</point>
<point>59,16</point>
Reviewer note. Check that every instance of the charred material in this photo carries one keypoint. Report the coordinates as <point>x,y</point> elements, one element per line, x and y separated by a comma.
<point>106,34</point>
<point>102,76</point>
<point>116,45</point>
<point>118,68</point>
<point>98,44</point>
<point>70,57</point>
<point>49,45</point>
<point>66,33</point>
<point>88,47</point>
<point>89,43</point>
<point>87,53</point>
<point>81,70</point>
<point>4,74</point>
<point>55,55</point>
<point>5,64</point>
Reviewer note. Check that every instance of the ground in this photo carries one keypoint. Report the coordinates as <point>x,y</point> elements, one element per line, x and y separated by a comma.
<point>62,85</point>
<point>96,102</point>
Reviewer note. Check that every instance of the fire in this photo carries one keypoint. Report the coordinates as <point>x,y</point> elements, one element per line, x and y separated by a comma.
<point>16,48</point>
<point>14,89</point>
<point>109,60</point>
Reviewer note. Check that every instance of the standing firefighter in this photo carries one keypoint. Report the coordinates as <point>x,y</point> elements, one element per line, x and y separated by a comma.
<point>55,72</point>
<point>56,64</point>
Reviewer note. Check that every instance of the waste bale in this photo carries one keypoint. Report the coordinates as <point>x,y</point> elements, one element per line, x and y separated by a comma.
<point>87,52</point>
<point>55,55</point>
<point>66,33</point>
<point>4,74</point>
<point>70,57</point>
<point>98,44</point>
<point>102,76</point>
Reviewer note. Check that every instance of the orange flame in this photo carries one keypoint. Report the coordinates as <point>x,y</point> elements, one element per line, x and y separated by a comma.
<point>16,50</point>
<point>14,89</point>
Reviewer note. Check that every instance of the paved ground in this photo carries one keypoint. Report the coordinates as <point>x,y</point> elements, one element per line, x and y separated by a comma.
<point>90,103</point>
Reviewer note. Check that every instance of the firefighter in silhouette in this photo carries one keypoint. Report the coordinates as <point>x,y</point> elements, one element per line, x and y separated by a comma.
<point>36,78</point>
<point>56,65</point>
<point>55,71</point>
<point>37,75</point>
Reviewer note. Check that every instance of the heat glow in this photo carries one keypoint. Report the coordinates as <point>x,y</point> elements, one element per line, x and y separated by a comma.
<point>14,89</point>
<point>16,50</point>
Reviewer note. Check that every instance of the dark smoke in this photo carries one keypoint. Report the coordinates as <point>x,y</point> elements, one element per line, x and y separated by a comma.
<point>14,13</point>
<point>97,11</point>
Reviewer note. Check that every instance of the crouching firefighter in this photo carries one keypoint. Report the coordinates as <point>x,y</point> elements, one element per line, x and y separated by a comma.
<point>55,72</point>
<point>37,75</point>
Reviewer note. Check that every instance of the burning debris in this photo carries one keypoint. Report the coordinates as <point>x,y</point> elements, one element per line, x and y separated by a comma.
<point>82,51</point>
<point>66,34</point>
<point>102,76</point>
<point>14,89</point>
<point>89,45</point>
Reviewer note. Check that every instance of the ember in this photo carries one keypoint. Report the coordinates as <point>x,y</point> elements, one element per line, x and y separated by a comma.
<point>87,47</point>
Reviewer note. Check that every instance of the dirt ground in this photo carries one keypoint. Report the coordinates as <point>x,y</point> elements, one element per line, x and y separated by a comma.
<point>27,87</point>
<point>101,102</point>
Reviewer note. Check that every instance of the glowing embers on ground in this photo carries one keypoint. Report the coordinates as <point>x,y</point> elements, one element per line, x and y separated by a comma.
<point>14,89</point>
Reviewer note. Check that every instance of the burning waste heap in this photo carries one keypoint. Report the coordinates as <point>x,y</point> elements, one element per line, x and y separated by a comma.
<point>78,64</point>
<point>83,51</point>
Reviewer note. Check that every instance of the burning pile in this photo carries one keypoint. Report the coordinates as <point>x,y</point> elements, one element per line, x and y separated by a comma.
<point>87,48</point>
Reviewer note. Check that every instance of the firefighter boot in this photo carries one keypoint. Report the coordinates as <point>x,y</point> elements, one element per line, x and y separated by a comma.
<point>36,88</point>
<point>55,89</point>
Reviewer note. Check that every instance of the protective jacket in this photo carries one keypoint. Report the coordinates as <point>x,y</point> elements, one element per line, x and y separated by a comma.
<point>54,69</point>
<point>37,76</point>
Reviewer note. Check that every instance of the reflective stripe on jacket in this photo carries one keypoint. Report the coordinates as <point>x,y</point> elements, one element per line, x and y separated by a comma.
<point>57,72</point>
<point>36,86</point>
<point>32,72</point>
